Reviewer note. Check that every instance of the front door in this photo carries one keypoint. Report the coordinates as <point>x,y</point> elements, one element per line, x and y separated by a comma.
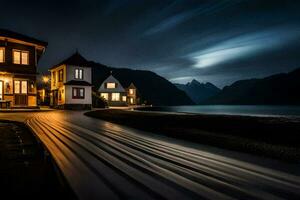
<point>1,90</point>
<point>20,91</point>
<point>55,98</point>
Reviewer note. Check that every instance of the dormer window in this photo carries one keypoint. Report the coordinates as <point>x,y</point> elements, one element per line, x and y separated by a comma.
<point>111,85</point>
<point>20,57</point>
<point>78,73</point>
<point>2,55</point>
<point>131,91</point>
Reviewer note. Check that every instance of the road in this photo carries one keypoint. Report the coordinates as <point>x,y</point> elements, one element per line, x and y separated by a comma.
<point>101,160</point>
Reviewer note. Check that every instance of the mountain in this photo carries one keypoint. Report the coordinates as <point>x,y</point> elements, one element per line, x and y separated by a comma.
<point>279,89</point>
<point>198,92</point>
<point>151,87</point>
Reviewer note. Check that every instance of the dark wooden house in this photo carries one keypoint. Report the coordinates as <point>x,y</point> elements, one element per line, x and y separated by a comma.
<point>19,57</point>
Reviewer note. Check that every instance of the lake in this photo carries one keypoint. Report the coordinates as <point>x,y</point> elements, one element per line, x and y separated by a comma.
<point>251,110</point>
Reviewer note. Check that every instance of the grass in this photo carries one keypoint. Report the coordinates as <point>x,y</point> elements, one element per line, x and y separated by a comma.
<point>270,137</point>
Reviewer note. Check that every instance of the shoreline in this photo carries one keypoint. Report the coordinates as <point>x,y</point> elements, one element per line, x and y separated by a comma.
<point>265,136</point>
<point>230,112</point>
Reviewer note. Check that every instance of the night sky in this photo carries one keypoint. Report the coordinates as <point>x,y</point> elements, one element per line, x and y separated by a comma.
<point>218,41</point>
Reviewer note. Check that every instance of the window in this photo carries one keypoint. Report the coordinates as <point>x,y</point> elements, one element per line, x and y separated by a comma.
<point>2,55</point>
<point>123,98</point>
<point>78,93</point>
<point>78,73</point>
<point>20,57</point>
<point>131,100</point>
<point>60,75</point>
<point>110,85</point>
<point>115,96</point>
<point>24,87</point>
<point>17,87</point>
<point>104,95</point>
<point>131,91</point>
<point>20,87</point>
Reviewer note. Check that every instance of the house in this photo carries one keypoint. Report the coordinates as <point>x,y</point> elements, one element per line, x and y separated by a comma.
<point>115,94</point>
<point>19,57</point>
<point>71,84</point>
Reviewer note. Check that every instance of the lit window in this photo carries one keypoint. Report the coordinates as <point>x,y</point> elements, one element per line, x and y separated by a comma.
<point>104,95</point>
<point>78,74</point>
<point>123,98</point>
<point>2,55</point>
<point>24,87</point>
<point>111,85</point>
<point>115,96</point>
<point>20,57</point>
<point>24,58</point>
<point>17,57</point>
<point>131,91</point>
<point>131,100</point>
<point>17,87</point>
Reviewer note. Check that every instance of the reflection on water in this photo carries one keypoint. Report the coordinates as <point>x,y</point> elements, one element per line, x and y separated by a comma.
<point>233,110</point>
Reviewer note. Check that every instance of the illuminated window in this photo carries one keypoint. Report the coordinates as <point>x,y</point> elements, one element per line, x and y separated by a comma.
<point>131,100</point>
<point>24,56</point>
<point>61,75</point>
<point>110,85</point>
<point>115,96</point>
<point>131,91</point>
<point>2,55</point>
<point>20,57</point>
<point>123,98</point>
<point>104,95</point>
<point>78,74</point>
<point>17,87</point>
<point>24,87</point>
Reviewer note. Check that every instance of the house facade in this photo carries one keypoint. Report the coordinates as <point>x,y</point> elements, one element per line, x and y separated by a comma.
<point>19,57</point>
<point>115,94</point>
<point>71,84</point>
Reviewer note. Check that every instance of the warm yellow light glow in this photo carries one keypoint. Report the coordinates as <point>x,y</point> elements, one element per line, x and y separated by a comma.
<point>25,57</point>
<point>111,85</point>
<point>17,57</point>
<point>115,96</point>
<point>45,79</point>
<point>2,55</point>
<point>123,98</point>
<point>131,91</point>
<point>104,95</point>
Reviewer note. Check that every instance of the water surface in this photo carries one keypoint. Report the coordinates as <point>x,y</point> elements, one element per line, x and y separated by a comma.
<point>251,110</point>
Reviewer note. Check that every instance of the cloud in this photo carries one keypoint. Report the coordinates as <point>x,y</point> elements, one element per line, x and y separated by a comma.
<point>244,45</point>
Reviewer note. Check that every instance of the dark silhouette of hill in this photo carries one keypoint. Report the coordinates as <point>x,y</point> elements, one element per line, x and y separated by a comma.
<point>279,89</point>
<point>151,87</point>
<point>197,91</point>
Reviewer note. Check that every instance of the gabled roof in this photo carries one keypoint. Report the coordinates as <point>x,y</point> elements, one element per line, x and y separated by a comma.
<point>131,86</point>
<point>76,59</point>
<point>111,79</point>
<point>81,83</point>
<point>18,36</point>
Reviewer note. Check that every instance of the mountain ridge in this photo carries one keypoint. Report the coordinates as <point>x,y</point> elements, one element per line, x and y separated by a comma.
<point>197,91</point>
<point>277,89</point>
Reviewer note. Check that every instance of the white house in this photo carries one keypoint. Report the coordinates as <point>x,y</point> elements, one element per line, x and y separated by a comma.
<point>115,94</point>
<point>71,84</point>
